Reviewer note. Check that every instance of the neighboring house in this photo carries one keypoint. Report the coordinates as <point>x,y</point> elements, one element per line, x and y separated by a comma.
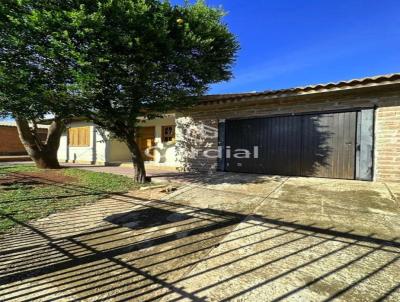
<point>86,143</point>
<point>10,144</point>
<point>346,130</point>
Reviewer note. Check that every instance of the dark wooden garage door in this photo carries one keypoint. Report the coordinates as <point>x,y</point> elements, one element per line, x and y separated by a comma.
<point>321,145</point>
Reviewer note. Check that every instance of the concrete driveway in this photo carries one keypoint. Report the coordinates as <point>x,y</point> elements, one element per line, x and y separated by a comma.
<point>227,237</point>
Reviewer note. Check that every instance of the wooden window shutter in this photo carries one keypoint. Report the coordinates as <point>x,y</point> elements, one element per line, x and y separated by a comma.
<point>79,136</point>
<point>86,136</point>
<point>75,136</point>
<point>71,136</point>
<point>76,142</point>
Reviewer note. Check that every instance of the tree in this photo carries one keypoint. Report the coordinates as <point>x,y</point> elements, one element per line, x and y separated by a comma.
<point>113,61</point>
<point>39,68</point>
<point>146,57</point>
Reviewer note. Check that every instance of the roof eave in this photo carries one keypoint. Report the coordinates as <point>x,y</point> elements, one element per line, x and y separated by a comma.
<point>211,100</point>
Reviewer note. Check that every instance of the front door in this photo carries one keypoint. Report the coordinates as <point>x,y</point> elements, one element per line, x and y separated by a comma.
<point>145,141</point>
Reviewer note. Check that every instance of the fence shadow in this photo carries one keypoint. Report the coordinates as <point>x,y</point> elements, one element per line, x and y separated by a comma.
<point>156,249</point>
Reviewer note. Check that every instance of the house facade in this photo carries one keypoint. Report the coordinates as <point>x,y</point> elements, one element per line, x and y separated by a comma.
<point>86,143</point>
<point>347,130</point>
<point>344,130</point>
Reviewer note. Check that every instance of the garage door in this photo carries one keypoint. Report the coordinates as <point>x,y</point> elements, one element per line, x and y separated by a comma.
<point>320,145</point>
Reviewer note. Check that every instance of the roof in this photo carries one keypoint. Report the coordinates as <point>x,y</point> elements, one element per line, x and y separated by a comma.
<point>381,80</point>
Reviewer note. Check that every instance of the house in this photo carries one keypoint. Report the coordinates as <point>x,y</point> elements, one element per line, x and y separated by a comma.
<point>10,144</point>
<point>86,143</point>
<point>345,130</point>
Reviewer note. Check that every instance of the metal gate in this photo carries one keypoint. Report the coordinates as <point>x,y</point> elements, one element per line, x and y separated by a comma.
<point>320,145</point>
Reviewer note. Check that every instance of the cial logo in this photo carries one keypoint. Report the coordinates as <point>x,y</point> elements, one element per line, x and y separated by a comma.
<point>198,141</point>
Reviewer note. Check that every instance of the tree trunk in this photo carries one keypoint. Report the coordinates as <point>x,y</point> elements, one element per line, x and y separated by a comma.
<point>43,154</point>
<point>139,175</point>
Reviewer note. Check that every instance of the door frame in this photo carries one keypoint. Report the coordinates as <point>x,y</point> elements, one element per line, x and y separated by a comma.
<point>365,138</point>
<point>300,113</point>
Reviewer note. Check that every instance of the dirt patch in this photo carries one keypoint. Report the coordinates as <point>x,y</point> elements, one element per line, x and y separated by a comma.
<point>36,178</point>
<point>10,180</point>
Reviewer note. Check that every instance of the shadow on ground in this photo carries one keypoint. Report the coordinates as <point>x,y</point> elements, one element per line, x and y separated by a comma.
<point>200,178</point>
<point>200,243</point>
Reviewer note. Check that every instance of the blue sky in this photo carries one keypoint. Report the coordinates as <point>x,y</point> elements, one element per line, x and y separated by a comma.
<point>289,43</point>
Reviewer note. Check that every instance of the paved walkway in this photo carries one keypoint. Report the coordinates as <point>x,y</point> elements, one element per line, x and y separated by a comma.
<point>7,160</point>
<point>157,175</point>
<point>230,237</point>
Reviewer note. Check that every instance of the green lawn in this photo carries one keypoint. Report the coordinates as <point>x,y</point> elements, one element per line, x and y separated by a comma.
<point>28,193</point>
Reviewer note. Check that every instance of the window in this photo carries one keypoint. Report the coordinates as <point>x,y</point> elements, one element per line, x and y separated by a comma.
<point>79,137</point>
<point>168,134</point>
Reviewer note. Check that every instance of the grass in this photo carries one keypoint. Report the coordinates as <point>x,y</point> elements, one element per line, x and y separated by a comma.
<point>25,195</point>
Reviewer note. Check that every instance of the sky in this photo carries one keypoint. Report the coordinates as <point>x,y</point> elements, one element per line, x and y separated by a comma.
<point>289,43</point>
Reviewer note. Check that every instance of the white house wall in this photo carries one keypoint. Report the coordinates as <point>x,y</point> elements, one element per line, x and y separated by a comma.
<point>62,153</point>
<point>118,151</point>
<point>100,155</point>
<point>94,153</point>
<point>106,150</point>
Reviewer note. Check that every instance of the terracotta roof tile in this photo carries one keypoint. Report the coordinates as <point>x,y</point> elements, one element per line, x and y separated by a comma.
<point>380,80</point>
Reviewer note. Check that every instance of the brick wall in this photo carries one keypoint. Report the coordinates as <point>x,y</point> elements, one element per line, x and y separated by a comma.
<point>387,124</point>
<point>10,143</point>
<point>387,142</point>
